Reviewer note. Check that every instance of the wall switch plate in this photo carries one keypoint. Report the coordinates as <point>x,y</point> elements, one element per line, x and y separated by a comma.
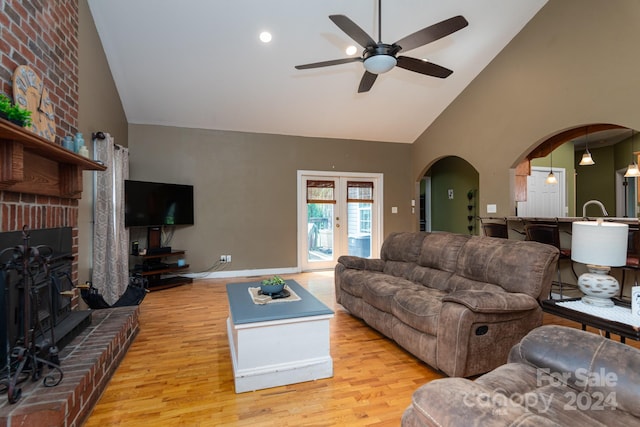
<point>394,209</point>
<point>491,208</point>
<point>228,258</point>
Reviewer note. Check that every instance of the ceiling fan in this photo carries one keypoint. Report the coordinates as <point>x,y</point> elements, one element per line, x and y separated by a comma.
<point>380,57</point>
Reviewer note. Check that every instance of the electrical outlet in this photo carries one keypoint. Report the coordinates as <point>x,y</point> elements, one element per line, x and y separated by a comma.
<point>228,258</point>
<point>223,258</point>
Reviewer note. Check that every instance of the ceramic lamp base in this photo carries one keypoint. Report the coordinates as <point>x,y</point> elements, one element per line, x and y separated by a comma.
<point>598,287</point>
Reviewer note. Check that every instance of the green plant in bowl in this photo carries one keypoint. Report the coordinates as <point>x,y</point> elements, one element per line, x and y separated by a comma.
<point>272,286</point>
<point>19,116</point>
<point>14,113</point>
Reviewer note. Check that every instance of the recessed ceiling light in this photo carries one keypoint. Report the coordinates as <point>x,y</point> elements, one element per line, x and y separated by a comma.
<point>265,37</point>
<point>351,50</point>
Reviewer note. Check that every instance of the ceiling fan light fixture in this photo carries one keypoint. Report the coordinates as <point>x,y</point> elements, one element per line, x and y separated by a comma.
<point>265,37</point>
<point>379,64</point>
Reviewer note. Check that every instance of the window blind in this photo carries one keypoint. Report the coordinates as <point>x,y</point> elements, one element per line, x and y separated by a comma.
<point>320,191</point>
<point>359,192</point>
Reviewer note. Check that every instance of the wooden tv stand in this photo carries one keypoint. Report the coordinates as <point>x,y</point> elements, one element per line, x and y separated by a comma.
<point>163,277</point>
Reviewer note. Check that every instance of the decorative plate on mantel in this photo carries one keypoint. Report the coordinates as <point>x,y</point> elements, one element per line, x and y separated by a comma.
<point>29,92</point>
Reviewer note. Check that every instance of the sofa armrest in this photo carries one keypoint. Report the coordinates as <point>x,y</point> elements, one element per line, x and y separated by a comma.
<point>359,263</point>
<point>461,402</point>
<point>480,301</point>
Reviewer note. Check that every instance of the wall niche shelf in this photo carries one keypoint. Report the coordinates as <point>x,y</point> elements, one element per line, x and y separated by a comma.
<point>34,165</point>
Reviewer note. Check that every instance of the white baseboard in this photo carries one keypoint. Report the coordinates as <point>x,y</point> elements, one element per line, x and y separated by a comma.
<point>242,273</point>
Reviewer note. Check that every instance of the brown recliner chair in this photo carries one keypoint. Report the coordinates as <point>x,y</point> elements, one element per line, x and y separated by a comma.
<point>555,376</point>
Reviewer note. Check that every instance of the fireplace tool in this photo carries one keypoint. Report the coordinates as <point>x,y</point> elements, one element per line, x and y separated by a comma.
<point>26,355</point>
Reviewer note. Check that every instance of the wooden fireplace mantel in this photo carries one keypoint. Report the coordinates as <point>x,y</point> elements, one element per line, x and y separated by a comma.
<point>34,165</point>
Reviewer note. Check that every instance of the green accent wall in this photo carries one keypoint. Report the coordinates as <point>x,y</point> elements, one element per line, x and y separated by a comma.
<point>599,181</point>
<point>453,173</point>
<point>596,182</point>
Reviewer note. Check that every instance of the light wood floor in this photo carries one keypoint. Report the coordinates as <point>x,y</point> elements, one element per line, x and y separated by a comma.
<point>178,370</point>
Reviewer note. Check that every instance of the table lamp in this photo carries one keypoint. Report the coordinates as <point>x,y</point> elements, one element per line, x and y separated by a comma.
<point>601,245</point>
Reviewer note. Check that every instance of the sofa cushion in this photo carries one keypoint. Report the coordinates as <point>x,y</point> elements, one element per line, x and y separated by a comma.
<point>460,402</point>
<point>419,309</point>
<point>460,283</point>
<point>402,246</point>
<point>353,281</point>
<point>431,277</point>
<point>399,269</point>
<point>516,266</point>
<point>441,250</point>
<point>379,290</point>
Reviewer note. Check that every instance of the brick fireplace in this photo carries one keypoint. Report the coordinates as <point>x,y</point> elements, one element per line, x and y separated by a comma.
<point>40,186</point>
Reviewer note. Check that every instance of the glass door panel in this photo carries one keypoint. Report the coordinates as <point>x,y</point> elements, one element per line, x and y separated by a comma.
<point>320,232</point>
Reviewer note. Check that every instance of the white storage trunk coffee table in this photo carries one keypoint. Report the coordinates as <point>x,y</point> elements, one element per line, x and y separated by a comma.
<point>277,343</point>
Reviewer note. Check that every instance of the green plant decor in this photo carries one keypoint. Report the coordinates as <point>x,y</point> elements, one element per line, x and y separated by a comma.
<point>5,105</point>
<point>14,113</point>
<point>274,281</point>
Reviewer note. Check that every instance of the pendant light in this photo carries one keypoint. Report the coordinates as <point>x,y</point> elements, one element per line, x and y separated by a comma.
<point>551,178</point>
<point>586,157</point>
<point>632,170</point>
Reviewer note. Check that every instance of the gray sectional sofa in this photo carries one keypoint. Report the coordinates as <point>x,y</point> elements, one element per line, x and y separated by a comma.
<point>457,302</point>
<point>556,376</point>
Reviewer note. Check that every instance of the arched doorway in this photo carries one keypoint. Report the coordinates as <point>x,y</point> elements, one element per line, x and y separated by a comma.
<point>448,197</point>
<point>612,147</point>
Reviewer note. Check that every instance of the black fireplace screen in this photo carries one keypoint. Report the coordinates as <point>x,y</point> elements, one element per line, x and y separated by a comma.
<point>36,288</point>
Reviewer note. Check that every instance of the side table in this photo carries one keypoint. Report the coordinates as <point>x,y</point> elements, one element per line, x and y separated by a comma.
<point>624,330</point>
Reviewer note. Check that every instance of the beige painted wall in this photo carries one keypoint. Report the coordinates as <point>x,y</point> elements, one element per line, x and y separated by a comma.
<point>246,190</point>
<point>99,110</point>
<point>575,63</point>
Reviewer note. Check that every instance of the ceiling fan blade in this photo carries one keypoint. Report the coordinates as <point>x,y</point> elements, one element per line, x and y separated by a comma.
<point>353,30</point>
<point>432,33</point>
<point>328,63</point>
<point>368,79</point>
<point>423,67</point>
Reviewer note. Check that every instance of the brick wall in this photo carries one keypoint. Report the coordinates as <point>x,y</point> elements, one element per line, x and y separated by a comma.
<point>42,34</point>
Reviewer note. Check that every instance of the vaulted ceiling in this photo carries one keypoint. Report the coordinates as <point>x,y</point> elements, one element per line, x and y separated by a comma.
<point>200,63</point>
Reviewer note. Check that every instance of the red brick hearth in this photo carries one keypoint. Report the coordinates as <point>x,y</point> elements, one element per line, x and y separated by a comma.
<point>88,363</point>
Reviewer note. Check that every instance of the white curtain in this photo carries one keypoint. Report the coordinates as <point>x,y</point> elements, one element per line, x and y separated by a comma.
<point>110,237</point>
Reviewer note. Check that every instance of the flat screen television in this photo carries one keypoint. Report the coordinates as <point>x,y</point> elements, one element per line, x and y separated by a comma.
<point>148,204</point>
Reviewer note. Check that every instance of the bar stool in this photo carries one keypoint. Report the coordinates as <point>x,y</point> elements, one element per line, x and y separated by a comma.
<point>495,229</point>
<point>633,257</point>
<point>549,234</point>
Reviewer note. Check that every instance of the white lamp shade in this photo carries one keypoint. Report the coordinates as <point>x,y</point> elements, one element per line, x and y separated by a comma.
<point>599,243</point>
<point>551,179</point>
<point>586,160</point>
<point>632,171</point>
<point>379,64</point>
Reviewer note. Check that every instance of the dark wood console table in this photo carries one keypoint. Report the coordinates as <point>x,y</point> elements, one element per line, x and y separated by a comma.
<point>609,326</point>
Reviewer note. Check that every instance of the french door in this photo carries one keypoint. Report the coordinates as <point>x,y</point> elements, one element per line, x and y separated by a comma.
<point>338,214</point>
